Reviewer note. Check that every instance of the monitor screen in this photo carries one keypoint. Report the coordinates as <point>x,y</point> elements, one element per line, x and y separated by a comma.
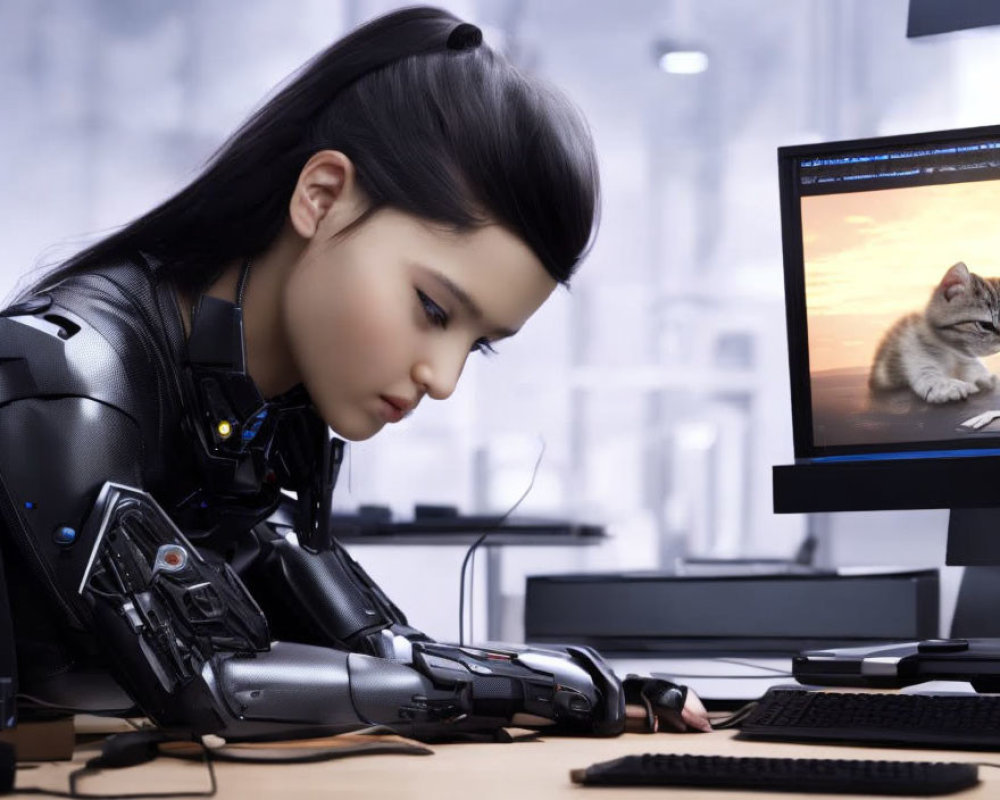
<point>892,272</point>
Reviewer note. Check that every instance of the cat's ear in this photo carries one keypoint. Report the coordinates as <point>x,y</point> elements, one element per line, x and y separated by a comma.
<point>955,281</point>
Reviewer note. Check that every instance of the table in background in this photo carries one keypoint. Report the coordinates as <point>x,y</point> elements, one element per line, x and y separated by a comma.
<point>492,546</point>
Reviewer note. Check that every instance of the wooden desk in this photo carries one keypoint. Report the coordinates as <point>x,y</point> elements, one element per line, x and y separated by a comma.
<point>522,771</point>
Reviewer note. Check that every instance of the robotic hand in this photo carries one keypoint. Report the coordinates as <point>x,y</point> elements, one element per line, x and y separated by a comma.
<point>662,704</point>
<point>572,692</point>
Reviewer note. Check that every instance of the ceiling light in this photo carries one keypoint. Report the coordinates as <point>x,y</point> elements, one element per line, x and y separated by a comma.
<point>684,62</point>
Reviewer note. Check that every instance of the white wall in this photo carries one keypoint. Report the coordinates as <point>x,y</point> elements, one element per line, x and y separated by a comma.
<point>658,384</point>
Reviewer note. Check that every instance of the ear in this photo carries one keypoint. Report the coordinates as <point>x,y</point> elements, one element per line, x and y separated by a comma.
<point>955,281</point>
<point>326,193</point>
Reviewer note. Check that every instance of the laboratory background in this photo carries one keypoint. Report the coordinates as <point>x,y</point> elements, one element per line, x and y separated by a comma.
<point>650,397</point>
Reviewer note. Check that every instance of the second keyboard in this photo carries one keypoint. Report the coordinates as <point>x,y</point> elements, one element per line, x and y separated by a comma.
<point>964,722</point>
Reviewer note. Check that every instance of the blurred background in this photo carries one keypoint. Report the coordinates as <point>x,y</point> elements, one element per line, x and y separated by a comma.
<point>657,385</point>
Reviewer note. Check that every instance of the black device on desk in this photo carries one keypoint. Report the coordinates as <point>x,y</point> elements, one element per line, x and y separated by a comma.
<point>894,336</point>
<point>976,661</point>
<point>703,614</point>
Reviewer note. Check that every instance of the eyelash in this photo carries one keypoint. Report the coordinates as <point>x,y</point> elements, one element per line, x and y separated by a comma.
<point>483,346</point>
<point>438,317</point>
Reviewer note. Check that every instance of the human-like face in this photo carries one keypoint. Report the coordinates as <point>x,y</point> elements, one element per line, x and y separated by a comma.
<point>388,313</point>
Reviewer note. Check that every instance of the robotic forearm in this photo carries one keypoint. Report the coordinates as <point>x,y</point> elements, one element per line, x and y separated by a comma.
<point>444,693</point>
<point>194,650</point>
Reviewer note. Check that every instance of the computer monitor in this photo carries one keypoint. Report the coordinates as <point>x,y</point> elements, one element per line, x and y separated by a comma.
<point>892,281</point>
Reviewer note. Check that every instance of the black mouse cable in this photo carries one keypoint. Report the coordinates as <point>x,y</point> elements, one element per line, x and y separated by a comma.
<point>126,750</point>
<point>470,553</point>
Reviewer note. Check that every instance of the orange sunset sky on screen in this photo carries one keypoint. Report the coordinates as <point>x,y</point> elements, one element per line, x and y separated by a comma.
<point>871,257</point>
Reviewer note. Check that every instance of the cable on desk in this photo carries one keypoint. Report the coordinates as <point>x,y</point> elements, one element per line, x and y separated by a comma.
<point>126,750</point>
<point>733,719</point>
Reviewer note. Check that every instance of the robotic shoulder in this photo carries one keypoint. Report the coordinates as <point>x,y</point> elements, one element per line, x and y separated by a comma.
<point>81,344</point>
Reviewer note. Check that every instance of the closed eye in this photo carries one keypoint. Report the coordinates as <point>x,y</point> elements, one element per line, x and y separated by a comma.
<point>436,315</point>
<point>483,346</point>
<point>439,318</point>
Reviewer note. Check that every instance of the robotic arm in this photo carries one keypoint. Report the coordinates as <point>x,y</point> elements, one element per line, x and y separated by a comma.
<point>193,648</point>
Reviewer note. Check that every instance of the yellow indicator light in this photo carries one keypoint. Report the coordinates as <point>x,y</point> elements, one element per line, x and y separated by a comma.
<point>224,429</point>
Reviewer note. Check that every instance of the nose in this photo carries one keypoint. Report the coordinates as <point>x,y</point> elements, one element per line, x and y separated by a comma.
<point>438,374</point>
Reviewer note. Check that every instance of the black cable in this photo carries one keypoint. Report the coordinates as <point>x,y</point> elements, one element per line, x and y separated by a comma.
<point>461,589</point>
<point>472,586</point>
<point>132,749</point>
<point>735,718</point>
<point>281,756</point>
<point>475,545</point>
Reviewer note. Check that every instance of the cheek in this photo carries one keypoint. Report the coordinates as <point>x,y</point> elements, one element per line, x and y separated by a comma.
<point>344,333</point>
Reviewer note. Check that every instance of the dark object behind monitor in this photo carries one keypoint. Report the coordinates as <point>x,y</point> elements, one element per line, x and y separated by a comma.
<point>928,17</point>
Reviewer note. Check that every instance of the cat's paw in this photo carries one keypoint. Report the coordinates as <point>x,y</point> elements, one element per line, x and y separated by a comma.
<point>949,390</point>
<point>987,381</point>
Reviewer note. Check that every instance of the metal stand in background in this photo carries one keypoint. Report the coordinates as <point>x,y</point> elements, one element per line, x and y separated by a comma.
<point>815,549</point>
<point>974,542</point>
<point>976,612</point>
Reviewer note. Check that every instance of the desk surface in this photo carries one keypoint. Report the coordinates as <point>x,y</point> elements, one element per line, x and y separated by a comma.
<point>522,770</point>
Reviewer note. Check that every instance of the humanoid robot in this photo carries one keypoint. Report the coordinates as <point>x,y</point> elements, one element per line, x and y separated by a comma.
<point>146,487</point>
<point>147,570</point>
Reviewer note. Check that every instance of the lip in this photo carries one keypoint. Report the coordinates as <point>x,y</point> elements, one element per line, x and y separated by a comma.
<point>395,408</point>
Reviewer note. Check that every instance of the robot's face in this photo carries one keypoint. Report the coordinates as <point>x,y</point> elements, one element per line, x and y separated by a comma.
<point>388,313</point>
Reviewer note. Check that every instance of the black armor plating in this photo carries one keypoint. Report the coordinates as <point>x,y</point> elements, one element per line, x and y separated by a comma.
<point>144,539</point>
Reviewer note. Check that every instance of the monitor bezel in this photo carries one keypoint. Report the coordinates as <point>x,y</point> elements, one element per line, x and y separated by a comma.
<point>796,319</point>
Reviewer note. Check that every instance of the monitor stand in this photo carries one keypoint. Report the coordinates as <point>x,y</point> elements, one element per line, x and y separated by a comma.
<point>974,542</point>
<point>972,654</point>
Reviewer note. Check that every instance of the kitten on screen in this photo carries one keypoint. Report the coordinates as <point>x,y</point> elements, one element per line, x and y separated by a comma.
<point>936,353</point>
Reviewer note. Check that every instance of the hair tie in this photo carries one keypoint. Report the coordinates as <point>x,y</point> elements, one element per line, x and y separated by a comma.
<point>465,36</point>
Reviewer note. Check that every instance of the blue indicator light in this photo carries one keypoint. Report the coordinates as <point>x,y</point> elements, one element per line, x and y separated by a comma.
<point>65,536</point>
<point>29,505</point>
<point>253,428</point>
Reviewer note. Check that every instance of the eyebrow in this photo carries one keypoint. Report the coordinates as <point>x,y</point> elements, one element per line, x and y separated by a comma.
<point>466,301</point>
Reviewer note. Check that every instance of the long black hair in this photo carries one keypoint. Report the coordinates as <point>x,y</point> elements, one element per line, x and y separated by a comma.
<point>436,124</point>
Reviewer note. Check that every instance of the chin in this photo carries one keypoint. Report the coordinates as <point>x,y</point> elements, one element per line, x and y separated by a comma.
<point>356,437</point>
<point>348,423</point>
<point>357,432</point>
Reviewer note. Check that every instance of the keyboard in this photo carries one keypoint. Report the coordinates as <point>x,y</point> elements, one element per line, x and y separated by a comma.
<point>965,722</point>
<point>811,775</point>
